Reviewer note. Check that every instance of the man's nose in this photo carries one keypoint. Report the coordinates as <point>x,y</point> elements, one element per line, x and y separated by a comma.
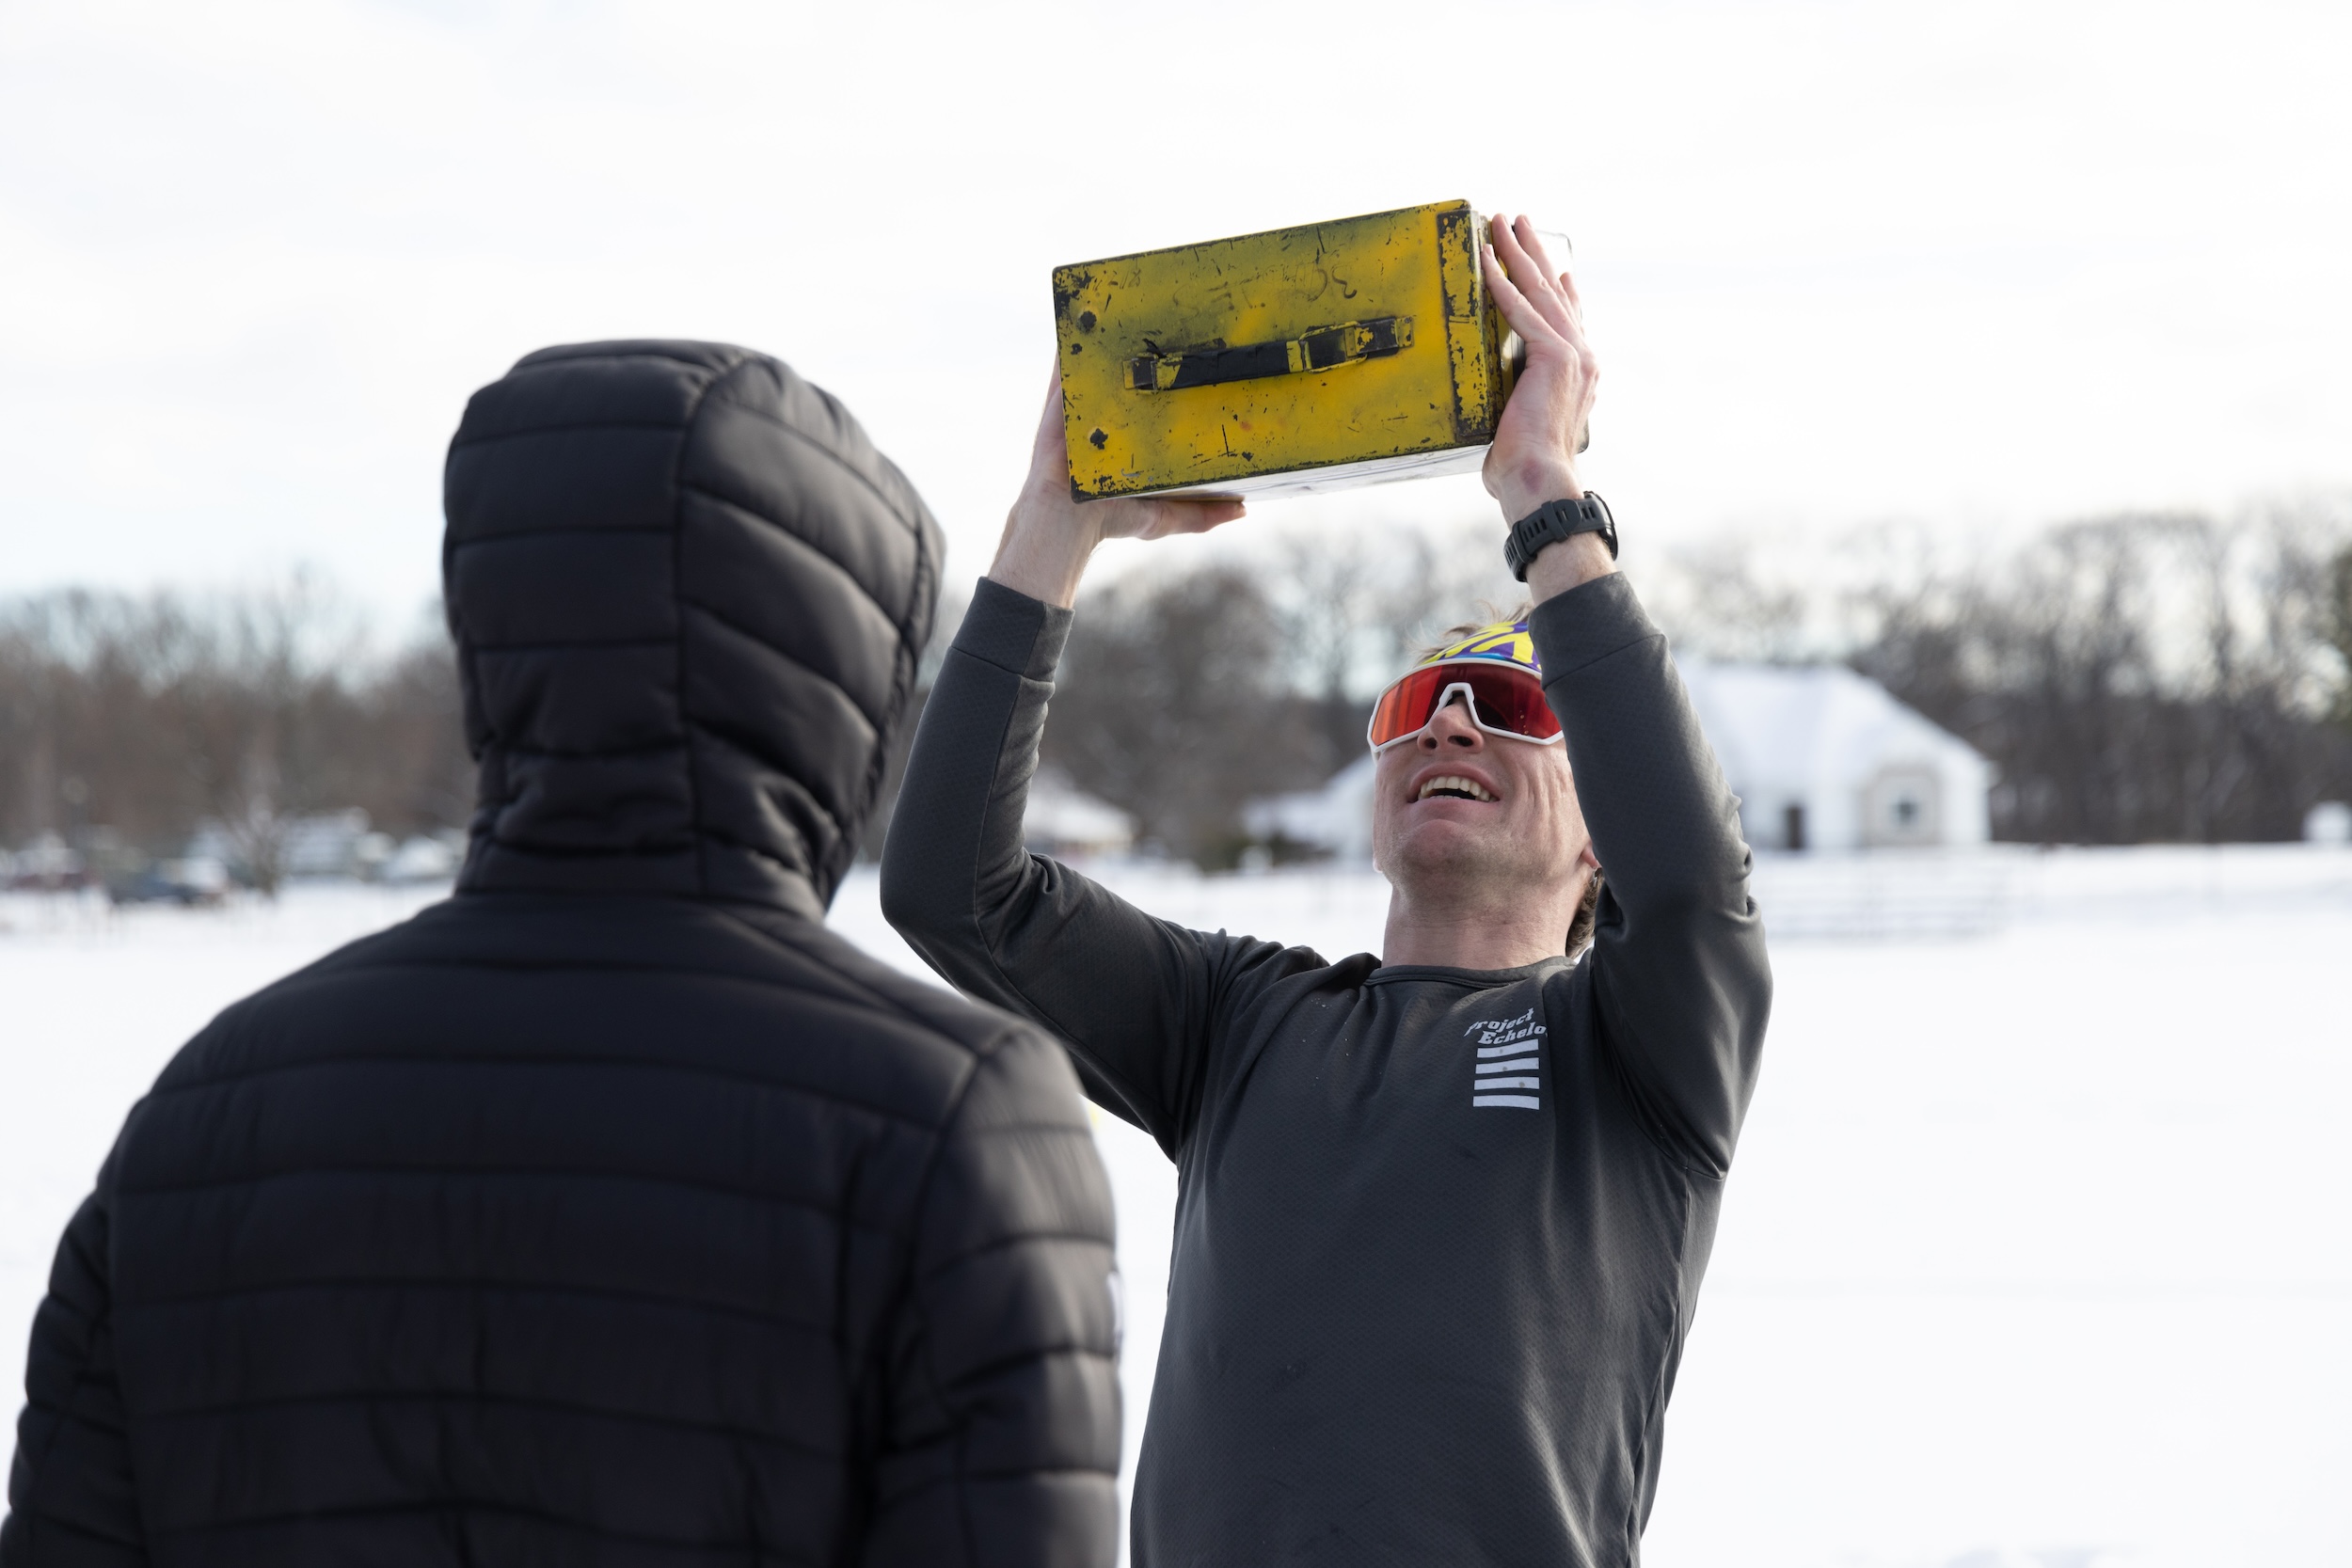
<point>1450,726</point>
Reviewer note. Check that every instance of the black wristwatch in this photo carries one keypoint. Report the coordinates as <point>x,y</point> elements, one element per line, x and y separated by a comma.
<point>1554,522</point>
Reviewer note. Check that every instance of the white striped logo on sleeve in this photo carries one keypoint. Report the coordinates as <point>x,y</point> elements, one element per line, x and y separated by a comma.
<point>1508,1070</point>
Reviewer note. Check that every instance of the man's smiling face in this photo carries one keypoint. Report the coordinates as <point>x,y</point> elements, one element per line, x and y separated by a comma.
<point>1457,804</point>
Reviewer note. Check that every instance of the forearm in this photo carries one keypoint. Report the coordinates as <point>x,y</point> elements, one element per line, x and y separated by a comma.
<point>1679,960</point>
<point>1569,563</point>
<point>1044,549</point>
<point>1129,994</point>
<point>1521,487</point>
<point>956,868</point>
<point>1050,534</point>
<point>1661,816</point>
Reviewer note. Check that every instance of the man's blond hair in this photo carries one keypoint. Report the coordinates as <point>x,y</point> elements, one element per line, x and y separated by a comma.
<point>1494,617</point>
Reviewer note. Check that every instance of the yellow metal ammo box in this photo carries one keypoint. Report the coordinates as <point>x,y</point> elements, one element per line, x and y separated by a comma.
<point>1296,360</point>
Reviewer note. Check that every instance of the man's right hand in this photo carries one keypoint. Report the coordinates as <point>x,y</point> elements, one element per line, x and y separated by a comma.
<point>1532,459</point>
<point>1049,537</point>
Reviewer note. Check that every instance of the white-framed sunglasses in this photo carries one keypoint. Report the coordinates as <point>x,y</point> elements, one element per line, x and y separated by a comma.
<point>1502,699</point>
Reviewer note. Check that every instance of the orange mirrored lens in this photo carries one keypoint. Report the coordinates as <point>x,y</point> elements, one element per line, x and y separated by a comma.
<point>1502,699</point>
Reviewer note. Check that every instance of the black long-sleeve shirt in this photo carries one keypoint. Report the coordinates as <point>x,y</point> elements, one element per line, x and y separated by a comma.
<point>1439,1231</point>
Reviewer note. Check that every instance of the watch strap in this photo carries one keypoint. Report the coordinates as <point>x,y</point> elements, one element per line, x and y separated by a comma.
<point>1556,520</point>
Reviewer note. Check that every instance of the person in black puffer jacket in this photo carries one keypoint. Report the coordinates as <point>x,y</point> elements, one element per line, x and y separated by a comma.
<point>611,1211</point>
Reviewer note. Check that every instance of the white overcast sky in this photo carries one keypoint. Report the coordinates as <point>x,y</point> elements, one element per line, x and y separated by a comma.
<point>1980,265</point>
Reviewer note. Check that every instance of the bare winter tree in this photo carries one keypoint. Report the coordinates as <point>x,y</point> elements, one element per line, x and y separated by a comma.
<point>2336,631</point>
<point>1171,704</point>
<point>1714,599</point>
<point>143,716</point>
<point>1351,601</point>
<point>2135,678</point>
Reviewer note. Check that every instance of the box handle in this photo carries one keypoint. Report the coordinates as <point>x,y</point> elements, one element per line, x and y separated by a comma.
<point>1322,349</point>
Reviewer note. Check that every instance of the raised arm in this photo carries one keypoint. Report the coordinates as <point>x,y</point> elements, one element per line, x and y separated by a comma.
<point>1679,968</point>
<point>1131,996</point>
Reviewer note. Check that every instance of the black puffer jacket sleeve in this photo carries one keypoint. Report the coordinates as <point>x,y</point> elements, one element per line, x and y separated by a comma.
<point>1003,1441</point>
<point>70,1499</point>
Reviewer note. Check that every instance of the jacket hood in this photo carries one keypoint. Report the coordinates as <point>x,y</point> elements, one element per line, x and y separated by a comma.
<point>689,598</point>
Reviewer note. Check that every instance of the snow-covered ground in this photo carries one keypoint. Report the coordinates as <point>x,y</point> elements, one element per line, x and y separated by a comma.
<point>2039,1250</point>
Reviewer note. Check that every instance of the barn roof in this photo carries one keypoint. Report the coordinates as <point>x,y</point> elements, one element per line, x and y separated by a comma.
<point>1786,729</point>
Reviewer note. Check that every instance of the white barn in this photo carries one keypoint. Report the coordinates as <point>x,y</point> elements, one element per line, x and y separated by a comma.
<point>1064,822</point>
<point>1337,817</point>
<point>1822,758</point>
